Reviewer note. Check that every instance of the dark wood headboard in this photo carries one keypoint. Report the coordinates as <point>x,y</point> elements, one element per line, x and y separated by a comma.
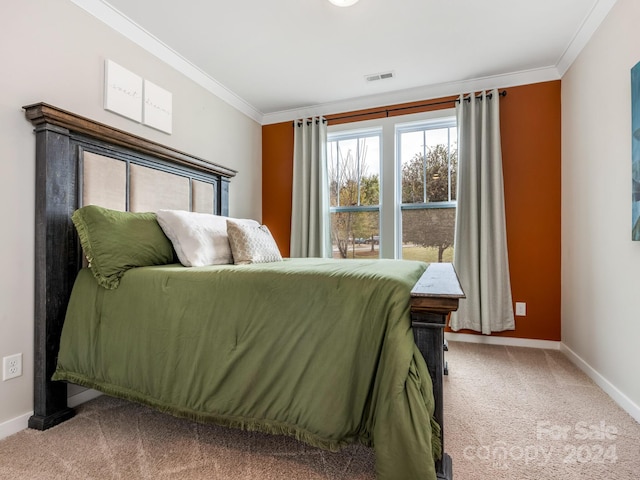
<point>61,139</point>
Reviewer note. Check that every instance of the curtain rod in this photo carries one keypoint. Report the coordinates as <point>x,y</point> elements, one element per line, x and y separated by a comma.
<point>397,109</point>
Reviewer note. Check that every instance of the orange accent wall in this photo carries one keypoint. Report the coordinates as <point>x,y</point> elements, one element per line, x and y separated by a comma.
<point>277,179</point>
<point>531,161</point>
<point>530,124</point>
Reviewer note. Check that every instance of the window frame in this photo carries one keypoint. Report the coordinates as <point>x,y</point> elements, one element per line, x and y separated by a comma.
<point>356,135</point>
<point>423,126</point>
<point>390,179</point>
<point>351,135</point>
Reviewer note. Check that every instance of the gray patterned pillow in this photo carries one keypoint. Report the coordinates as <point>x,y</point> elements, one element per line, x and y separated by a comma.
<point>252,244</point>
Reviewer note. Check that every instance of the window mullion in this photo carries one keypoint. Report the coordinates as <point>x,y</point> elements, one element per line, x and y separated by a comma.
<point>358,168</point>
<point>425,197</point>
<point>449,164</point>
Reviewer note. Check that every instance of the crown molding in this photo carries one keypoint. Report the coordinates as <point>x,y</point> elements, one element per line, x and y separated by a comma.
<point>128,28</point>
<point>589,25</point>
<point>417,94</point>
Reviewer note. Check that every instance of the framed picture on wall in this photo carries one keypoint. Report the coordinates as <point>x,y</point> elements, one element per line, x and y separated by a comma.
<point>157,107</point>
<point>635,152</point>
<point>122,91</point>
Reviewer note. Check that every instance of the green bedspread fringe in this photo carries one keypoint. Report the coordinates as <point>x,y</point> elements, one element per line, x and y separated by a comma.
<point>436,444</point>
<point>249,424</point>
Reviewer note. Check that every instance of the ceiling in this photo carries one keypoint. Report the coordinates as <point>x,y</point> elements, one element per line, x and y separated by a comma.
<point>281,59</point>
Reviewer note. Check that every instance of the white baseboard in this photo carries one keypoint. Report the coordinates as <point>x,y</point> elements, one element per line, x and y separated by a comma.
<point>620,398</point>
<point>82,397</point>
<point>20,423</point>
<point>14,425</point>
<point>508,341</point>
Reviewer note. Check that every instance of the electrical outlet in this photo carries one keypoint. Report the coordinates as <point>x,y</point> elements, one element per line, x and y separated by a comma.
<point>521,309</point>
<point>11,366</point>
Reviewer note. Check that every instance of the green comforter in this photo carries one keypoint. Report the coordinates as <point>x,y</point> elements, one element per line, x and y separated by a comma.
<point>319,349</point>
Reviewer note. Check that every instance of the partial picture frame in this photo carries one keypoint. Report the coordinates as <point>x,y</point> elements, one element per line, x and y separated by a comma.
<point>635,152</point>
<point>123,91</point>
<point>157,107</point>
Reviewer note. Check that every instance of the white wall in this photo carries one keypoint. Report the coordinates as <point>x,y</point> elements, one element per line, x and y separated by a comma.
<point>600,263</point>
<point>53,51</point>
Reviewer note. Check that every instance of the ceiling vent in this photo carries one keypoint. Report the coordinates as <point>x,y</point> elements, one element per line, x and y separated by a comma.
<point>379,76</point>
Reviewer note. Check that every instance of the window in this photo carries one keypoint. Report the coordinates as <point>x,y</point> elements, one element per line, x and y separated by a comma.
<point>428,159</point>
<point>393,187</point>
<point>353,160</point>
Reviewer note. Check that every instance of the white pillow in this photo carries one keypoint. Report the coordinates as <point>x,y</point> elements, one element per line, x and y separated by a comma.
<point>252,243</point>
<point>199,239</point>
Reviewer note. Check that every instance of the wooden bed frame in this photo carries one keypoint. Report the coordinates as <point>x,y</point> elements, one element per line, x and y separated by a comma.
<point>61,139</point>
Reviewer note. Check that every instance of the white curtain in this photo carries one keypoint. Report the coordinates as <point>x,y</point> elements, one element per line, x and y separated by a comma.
<point>480,250</point>
<point>310,232</point>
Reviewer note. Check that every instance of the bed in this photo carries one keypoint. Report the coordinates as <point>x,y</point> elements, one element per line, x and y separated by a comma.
<point>80,162</point>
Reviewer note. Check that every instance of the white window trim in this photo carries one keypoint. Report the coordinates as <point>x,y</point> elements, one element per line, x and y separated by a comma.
<point>357,134</point>
<point>390,214</point>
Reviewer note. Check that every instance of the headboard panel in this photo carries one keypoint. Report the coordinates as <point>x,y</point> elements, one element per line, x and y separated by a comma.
<point>104,181</point>
<point>73,156</point>
<point>151,189</point>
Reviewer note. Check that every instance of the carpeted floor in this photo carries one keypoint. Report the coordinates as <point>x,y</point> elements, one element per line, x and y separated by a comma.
<point>529,414</point>
<point>511,413</point>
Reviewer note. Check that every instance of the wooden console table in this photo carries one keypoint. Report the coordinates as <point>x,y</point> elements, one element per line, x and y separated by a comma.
<point>433,298</point>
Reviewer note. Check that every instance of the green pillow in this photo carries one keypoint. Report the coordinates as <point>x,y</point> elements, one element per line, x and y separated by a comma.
<point>115,241</point>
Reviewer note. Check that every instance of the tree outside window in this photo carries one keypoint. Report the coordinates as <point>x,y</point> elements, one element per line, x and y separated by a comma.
<point>424,198</point>
<point>355,195</point>
<point>429,166</point>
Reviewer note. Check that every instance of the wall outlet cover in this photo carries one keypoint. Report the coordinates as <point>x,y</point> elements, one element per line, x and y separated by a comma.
<point>11,366</point>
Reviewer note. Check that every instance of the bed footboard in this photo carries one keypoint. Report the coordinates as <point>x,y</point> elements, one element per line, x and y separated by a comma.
<point>434,296</point>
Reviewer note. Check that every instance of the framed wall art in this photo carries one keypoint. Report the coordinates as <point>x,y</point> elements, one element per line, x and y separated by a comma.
<point>122,91</point>
<point>635,152</point>
<point>157,107</point>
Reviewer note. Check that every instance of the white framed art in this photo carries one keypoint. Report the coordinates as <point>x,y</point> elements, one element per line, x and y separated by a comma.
<point>122,91</point>
<point>157,107</point>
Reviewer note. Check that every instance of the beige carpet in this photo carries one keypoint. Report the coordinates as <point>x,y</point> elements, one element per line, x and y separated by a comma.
<point>511,413</point>
<point>529,414</point>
